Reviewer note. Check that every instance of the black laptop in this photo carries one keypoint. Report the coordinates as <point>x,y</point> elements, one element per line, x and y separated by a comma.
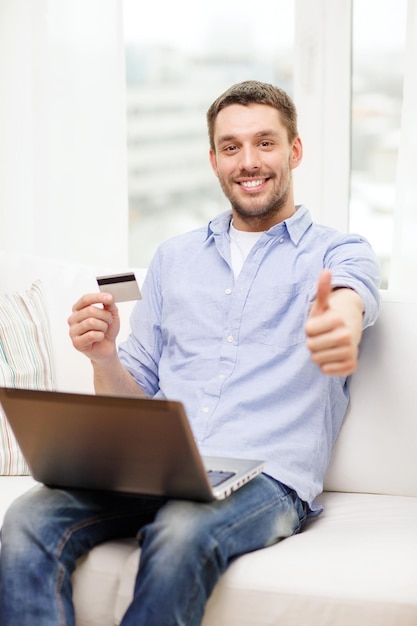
<point>118,443</point>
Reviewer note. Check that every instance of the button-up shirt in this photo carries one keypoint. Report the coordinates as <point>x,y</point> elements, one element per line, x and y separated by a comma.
<point>234,351</point>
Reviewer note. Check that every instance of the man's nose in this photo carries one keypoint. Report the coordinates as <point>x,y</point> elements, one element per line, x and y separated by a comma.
<point>249,158</point>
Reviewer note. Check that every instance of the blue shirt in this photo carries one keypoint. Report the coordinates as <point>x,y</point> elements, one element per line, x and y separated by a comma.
<point>234,352</point>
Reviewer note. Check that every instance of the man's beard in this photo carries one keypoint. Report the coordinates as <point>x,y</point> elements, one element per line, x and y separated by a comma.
<point>252,207</point>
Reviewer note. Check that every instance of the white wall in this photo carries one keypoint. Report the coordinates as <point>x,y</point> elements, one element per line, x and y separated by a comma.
<point>63,187</point>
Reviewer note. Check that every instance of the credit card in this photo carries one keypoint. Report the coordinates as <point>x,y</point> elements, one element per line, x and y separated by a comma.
<point>123,287</point>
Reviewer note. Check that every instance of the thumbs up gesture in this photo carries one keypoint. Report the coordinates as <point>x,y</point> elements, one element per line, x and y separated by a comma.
<point>334,327</point>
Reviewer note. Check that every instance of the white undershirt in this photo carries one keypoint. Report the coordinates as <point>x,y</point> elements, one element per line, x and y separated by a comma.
<point>241,243</point>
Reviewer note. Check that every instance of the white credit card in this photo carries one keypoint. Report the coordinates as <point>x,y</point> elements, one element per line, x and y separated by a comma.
<point>123,287</point>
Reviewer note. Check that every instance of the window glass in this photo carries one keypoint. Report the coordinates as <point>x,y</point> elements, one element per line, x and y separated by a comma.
<point>179,57</point>
<point>379,28</point>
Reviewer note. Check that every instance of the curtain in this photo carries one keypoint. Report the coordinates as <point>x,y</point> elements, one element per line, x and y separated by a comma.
<point>63,187</point>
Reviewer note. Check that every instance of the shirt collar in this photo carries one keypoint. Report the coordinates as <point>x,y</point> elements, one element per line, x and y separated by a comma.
<point>296,225</point>
<point>219,224</point>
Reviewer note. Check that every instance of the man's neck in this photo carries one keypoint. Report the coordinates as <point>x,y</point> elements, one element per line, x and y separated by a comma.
<point>260,223</point>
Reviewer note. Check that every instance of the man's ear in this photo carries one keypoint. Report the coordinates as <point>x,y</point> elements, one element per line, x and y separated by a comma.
<point>297,153</point>
<point>213,161</point>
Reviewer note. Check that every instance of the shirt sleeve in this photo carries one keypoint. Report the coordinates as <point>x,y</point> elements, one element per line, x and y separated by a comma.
<point>353,264</point>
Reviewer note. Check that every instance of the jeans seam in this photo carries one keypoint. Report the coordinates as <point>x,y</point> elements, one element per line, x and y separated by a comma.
<point>91,521</point>
<point>61,577</point>
<point>191,598</point>
<point>61,545</point>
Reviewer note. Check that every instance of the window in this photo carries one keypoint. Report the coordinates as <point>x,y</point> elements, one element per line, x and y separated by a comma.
<point>175,71</point>
<point>379,35</point>
<point>175,68</point>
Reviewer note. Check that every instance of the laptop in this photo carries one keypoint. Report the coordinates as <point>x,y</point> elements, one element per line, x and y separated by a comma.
<point>118,443</point>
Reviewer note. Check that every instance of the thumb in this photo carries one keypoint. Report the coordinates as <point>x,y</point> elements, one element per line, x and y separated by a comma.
<point>324,289</point>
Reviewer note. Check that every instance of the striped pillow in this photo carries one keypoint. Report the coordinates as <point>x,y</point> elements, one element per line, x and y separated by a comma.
<point>25,360</point>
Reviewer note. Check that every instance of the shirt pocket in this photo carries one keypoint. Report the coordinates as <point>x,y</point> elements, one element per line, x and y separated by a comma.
<point>284,311</point>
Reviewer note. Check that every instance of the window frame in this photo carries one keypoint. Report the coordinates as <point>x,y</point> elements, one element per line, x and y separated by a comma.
<point>322,94</point>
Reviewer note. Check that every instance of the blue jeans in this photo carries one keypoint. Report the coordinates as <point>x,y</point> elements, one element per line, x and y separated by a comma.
<point>186,546</point>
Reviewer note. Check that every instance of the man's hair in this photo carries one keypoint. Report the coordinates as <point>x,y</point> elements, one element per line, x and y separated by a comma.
<point>255,92</point>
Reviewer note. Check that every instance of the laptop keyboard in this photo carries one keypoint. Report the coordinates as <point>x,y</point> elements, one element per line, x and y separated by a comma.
<point>217,477</point>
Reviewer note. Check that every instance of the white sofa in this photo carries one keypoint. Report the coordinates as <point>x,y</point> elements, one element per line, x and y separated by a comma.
<point>354,565</point>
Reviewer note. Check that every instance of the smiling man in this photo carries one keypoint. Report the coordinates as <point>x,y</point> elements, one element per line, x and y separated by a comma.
<point>254,324</point>
<point>253,154</point>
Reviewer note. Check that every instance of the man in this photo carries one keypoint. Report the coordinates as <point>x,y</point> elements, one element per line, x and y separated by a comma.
<point>254,323</point>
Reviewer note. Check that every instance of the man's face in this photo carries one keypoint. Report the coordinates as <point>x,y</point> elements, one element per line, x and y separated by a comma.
<point>253,159</point>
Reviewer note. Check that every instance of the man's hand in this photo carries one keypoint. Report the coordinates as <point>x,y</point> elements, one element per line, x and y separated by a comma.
<point>334,328</point>
<point>94,325</point>
<point>93,329</point>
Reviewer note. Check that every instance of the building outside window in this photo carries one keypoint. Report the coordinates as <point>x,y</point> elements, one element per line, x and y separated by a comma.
<point>176,67</point>
<point>378,48</point>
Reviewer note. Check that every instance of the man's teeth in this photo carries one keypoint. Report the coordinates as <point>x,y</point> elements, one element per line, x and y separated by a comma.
<point>252,183</point>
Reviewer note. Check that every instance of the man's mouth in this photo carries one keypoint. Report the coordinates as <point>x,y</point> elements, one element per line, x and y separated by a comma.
<point>251,184</point>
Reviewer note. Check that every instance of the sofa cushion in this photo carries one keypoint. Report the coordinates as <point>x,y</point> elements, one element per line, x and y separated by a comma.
<point>355,564</point>
<point>25,360</point>
<point>63,282</point>
<point>376,449</point>
<point>11,487</point>
<point>338,572</point>
<point>96,581</point>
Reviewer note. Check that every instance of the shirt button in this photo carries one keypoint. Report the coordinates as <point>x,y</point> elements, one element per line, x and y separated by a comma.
<point>281,240</point>
<point>230,338</point>
<point>205,409</point>
<point>221,376</point>
<point>228,291</point>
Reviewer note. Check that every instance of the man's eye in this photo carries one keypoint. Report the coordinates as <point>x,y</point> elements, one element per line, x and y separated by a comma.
<point>266,144</point>
<point>230,148</point>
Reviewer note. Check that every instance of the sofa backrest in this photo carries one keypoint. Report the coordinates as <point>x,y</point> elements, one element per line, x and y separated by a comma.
<point>63,283</point>
<point>376,451</point>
